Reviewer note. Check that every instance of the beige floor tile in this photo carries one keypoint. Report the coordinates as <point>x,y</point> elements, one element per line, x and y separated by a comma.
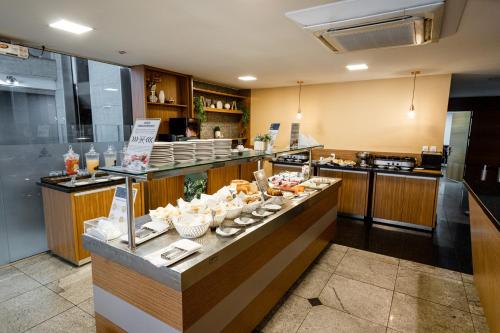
<point>390,330</point>
<point>410,314</point>
<point>313,283</point>
<point>30,309</point>
<point>376,256</point>
<point>444,291</point>
<point>75,287</point>
<point>324,319</point>
<point>476,308</point>
<point>430,269</point>
<point>467,278</point>
<point>480,324</point>
<point>340,248</point>
<point>368,270</point>
<point>331,258</point>
<point>88,306</point>
<point>471,292</point>
<point>357,298</point>
<point>74,320</point>
<point>289,316</point>
<point>13,283</point>
<point>31,260</point>
<point>46,270</point>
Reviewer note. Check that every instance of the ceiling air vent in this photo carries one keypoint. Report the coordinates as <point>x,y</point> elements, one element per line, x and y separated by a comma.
<point>343,28</point>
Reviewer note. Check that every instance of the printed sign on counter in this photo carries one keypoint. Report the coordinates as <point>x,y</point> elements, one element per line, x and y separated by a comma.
<point>118,211</point>
<point>141,144</point>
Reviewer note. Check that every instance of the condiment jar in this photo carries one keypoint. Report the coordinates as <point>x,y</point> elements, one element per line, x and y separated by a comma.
<point>71,161</point>
<point>110,156</point>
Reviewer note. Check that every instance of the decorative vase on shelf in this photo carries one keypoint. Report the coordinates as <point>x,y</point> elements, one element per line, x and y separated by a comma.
<point>161,96</point>
<point>152,97</point>
<point>219,105</point>
<point>227,106</point>
<point>212,106</point>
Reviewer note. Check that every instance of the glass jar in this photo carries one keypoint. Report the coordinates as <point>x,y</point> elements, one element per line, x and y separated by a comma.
<point>71,161</point>
<point>92,161</point>
<point>110,156</point>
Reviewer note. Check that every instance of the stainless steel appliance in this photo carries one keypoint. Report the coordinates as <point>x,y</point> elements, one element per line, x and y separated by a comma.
<point>394,162</point>
<point>431,160</point>
<point>293,158</point>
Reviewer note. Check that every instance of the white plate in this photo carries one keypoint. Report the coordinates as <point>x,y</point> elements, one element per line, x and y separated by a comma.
<point>254,213</point>
<point>81,183</point>
<point>227,232</point>
<point>244,220</point>
<point>271,207</point>
<point>115,177</point>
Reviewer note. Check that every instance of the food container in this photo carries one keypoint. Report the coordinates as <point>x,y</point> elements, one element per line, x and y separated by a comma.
<point>218,219</point>
<point>191,226</point>
<point>233,212</point>
<point>71,161</point>
<point>92,161</point>
<point>110,156</point>
<point>250,207</point>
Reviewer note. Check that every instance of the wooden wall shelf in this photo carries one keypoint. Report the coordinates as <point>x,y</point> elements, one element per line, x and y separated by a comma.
<point>224,111</point>
<point>215,92</point>
<point>168,104</point>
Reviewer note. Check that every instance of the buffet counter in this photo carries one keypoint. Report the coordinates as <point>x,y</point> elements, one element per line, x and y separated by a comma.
<point>484,207</point>
<point>229,285</point>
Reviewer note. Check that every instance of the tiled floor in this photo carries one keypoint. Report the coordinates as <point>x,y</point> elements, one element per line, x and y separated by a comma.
<point>345,290</point>
<point>448,247</point>
<point>350,290</point>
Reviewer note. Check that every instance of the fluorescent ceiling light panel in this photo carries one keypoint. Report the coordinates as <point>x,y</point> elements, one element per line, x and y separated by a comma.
<point>70,27</point>
<point>357,67</point>
<point>247,78</point>
<point>110,89</point>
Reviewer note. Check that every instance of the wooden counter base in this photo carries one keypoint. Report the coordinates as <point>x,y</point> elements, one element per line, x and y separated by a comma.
<point>233,298</point>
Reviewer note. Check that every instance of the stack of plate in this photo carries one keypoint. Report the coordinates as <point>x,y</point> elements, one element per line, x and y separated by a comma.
<point>184,151</point>
<point>162,154</point>
<point>222,148</point>
<point>204,149</point>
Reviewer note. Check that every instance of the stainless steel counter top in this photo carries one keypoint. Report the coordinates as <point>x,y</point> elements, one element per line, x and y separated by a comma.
<point>215,252</point>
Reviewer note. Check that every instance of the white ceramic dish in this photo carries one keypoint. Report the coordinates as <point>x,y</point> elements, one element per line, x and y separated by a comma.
<point>267,213</point>
<point>244,220</point>
<point>232,213</point>
<point>227,232</point>
<point>271,207</point>
<point>248,208</point>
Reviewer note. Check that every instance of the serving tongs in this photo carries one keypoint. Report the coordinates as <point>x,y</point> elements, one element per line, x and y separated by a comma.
<point>173,253</point>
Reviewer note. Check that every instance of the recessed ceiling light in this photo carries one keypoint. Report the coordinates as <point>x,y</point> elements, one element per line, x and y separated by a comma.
<point>247,78</point>
<point>356,67</point>
<point>110,89</point>
<point>70,27</point>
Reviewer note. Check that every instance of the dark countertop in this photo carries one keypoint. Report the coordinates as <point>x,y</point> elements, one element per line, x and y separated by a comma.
<point>487,194</point>
<point>90,186</point>
<point>420,173</point>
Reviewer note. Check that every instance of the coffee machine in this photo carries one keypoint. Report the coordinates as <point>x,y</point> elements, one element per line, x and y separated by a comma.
<point>364,158</point>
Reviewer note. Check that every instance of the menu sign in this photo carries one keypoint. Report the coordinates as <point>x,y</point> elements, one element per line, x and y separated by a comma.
<point>294,135</point>
<point>261,180</point>
<point>118,211</point>
<point>141,144</point>
<point>273,133</point>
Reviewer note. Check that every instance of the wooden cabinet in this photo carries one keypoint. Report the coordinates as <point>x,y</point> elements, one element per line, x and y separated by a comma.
<point>353,194</point>
<point>219,177</point>
<point>65,214</point>
<point>247,170</point>
<point>408,199</point>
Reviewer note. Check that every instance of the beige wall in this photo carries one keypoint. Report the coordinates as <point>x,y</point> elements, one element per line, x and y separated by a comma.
<point>361,115</point>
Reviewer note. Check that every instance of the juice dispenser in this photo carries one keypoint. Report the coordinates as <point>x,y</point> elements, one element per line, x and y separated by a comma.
<point>71,161</point>
<point>92,161</point>
<point>110,156</point>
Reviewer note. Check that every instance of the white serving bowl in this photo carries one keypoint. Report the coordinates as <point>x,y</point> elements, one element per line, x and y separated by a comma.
<point>248,208</point>
<point>191,226</point>
<point>233,212</point>
<point>218,219</point>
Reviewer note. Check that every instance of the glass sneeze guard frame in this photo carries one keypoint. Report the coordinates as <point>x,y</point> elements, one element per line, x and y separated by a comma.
<point>179,169</point>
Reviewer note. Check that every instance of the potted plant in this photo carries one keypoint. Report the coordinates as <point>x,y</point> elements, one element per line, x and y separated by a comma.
<point>245,120</point>
<point>260,142</point>
<point>199,109</point>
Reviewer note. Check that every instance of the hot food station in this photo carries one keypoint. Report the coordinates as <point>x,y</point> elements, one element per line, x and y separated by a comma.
<point>395,189</point>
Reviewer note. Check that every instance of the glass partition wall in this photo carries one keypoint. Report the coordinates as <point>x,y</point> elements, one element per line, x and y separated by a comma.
<point>47,102</point>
